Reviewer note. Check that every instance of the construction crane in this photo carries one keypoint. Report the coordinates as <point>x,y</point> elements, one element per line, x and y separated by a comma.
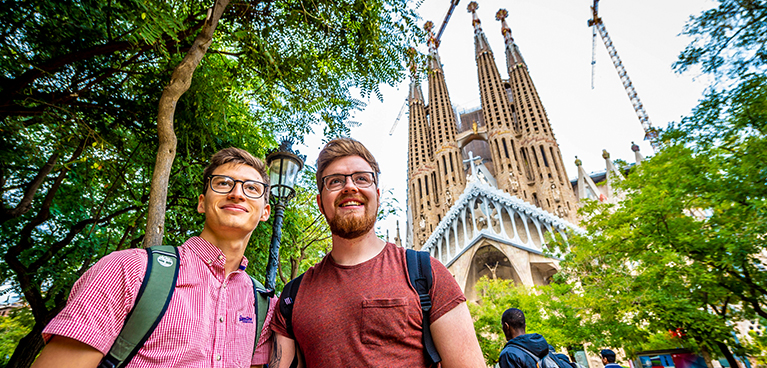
<point>453,4</point>
<point>596,24</point>
<point>401,111</point>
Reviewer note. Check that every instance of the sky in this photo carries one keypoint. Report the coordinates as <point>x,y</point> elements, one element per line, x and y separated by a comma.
<point>556,43</point>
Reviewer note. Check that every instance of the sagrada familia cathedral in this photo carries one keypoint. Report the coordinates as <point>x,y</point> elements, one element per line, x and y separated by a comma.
<point>487,188</point>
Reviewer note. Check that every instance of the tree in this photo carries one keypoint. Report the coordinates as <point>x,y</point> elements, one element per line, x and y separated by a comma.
<point>685,250</point>
<point>12,328</point>
<point>79,104</point>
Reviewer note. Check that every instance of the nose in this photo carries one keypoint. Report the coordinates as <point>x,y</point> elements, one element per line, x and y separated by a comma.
<point>237,191</point>
<point>349,185</point>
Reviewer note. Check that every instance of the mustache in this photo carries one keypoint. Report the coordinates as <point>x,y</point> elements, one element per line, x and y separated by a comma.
<point>360,199</point>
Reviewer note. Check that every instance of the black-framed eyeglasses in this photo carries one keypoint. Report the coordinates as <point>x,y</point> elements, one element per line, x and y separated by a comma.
<point>361,179</point>
<point>223,184</point>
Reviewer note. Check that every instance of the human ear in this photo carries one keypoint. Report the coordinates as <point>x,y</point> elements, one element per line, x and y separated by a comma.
<point>319,204</point>
<point>266,212</point>
<point>201,203</point>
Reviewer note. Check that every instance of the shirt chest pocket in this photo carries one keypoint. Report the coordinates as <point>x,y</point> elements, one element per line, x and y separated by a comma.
<point>383,320</point>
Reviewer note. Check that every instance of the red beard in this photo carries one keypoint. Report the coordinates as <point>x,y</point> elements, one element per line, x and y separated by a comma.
<point>351,226</point>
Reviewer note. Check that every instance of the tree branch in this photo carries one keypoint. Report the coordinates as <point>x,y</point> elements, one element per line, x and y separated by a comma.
<point>179,83</point>
<point>26,202</point>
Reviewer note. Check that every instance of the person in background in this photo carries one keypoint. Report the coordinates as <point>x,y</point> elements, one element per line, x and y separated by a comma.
<point>523,350</point>
<point>608,359</point>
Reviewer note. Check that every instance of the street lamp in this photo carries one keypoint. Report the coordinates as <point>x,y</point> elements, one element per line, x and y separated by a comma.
<point>284,166</point>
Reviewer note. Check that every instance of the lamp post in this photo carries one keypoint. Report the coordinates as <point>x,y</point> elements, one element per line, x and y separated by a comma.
<point>284,166</point>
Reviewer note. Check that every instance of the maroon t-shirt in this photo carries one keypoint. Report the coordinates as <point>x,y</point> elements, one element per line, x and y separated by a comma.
<point>366,315</point>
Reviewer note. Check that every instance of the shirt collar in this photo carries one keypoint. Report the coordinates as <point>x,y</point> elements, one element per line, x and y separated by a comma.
<point>209,253</point>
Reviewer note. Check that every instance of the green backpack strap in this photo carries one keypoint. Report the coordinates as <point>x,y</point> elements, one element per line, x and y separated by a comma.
<point>262,296</point>
<point>158,286</point>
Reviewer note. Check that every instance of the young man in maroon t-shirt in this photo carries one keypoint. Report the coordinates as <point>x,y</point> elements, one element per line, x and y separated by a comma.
<point>356,308</point>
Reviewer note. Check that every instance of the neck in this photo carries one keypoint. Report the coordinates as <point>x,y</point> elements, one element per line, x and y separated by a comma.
<point>232,247</point>
<point>515,333</point>
<point>350,252</point>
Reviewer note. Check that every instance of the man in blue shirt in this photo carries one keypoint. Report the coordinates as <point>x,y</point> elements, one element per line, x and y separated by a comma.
<point>608,359</point>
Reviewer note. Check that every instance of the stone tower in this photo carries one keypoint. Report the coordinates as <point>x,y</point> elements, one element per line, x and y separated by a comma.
<point>422,175</point>
<point>498,116</point>
<point>541,161</point>
<point>507,143</point>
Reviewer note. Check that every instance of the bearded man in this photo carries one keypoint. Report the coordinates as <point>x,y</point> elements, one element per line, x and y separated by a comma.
<point>356,307</point>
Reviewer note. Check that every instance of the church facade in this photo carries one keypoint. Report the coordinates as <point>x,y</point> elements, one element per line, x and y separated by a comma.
<point>486,188</point>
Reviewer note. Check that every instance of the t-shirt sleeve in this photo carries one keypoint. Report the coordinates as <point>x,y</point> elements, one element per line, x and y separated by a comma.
<point>278,323</point>
<point>445,292</point>
<point>100,300</point>
<point>264,346</point>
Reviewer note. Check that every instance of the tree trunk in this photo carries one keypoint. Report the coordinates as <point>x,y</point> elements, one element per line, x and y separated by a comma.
<point>706,356</point>
<point>28,348</point>
<point>179,83</point>
<point>728,354</point>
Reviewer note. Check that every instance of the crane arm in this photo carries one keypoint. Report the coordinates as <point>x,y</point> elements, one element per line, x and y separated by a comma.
<point>399,116</point>
<point>596,22</point>
<point>453,4</point>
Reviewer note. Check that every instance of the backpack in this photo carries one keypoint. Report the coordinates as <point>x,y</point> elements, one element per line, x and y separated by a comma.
<point>420,277</point>
<point>547,361</point>
<point>160,280</point>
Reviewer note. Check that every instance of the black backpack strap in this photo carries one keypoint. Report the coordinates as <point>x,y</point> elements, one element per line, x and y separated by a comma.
<point>261,303</point>
<point>158,286</point>
<point>287,301</point>
<point>419,270</point>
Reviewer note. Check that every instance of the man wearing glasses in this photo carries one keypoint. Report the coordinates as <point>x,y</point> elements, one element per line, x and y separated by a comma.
<point>356,308</point>
<point>210,320</point>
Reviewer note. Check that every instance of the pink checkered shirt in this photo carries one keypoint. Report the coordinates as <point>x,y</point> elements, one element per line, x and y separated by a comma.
<point>210,321</point>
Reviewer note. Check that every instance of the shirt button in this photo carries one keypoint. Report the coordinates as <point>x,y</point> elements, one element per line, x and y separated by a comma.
<point>223,286</point>
<point>218,356</point>
<point>221,319</point>
<point>220,256</point>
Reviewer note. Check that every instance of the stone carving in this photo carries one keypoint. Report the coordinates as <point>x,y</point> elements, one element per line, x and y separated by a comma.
<point>492,270</point>
<point>448,198</point>
<point>513,183</point>
<point>422,223</point>
<point>481,222</point>
<point>555,193</point>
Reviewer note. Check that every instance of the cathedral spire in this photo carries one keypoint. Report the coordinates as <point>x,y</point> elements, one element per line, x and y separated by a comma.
<point>513,56</point>
<point>434,62</point>
<point>415,79</point>
<point>480,41</point>
<point>637,156</point>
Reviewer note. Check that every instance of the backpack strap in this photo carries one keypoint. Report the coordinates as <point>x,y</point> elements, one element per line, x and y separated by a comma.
<point>261,303</point>
<point>159,281</point>
<point>537,360</point>
<point>286,303</point>
<point>419,271</point>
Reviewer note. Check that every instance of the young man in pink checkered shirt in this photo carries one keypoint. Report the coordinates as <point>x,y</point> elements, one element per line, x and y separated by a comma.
<point>210,321</point>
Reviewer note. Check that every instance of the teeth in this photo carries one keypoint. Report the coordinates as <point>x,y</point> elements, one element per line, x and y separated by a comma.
<point>351,204</point>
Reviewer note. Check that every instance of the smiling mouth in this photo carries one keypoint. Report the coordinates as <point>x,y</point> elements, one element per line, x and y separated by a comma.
<point>350,203</point>
<point>234,208</point>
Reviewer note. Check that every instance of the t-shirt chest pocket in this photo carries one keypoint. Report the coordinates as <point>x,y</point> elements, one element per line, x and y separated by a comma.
<point>383,320</point>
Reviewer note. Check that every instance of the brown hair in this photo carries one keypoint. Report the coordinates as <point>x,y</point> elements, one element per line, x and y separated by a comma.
<point>342,147</point>
<point>236,156</point>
